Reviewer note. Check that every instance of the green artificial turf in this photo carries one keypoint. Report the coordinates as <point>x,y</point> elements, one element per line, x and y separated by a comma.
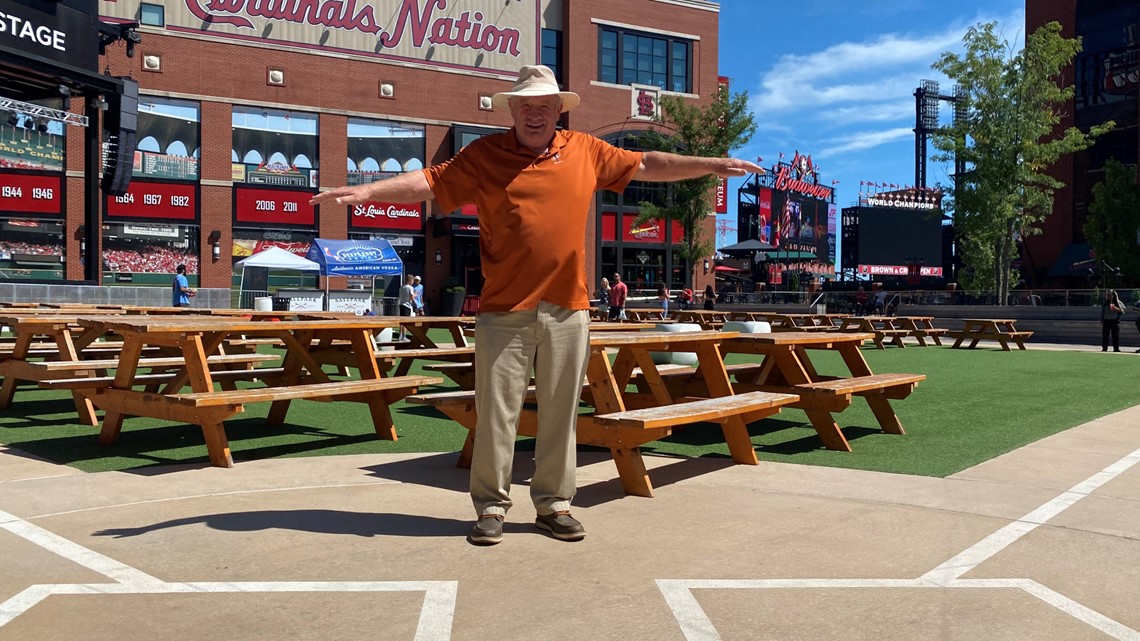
<point>974,405</point>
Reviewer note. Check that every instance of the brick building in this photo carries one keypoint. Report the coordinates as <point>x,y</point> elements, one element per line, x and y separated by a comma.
<point>248,107</point>
<point>1106,74</point>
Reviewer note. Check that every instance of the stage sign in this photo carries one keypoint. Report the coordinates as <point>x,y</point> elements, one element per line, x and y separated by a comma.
<point>159,201</point>
<point>28,194</point>
<point>61,34</point>
<point>274,207</point>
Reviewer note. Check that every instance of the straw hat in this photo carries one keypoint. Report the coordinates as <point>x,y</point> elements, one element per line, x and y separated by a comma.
<point>536,80</point>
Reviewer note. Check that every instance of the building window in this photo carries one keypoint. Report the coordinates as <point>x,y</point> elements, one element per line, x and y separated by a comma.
<point>628,57</point>
<point>552,52</point>
<point>153,15</point>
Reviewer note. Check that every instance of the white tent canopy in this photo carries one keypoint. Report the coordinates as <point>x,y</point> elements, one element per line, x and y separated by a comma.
<point>273,258</point>
<point>277,258</point>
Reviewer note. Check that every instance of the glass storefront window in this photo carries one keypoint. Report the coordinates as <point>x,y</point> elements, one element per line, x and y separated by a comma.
<point>274,147</point>
<point>31,249</point>
<point>642,268</point>
<point>379,149</point>
<point>168,139</point>
<point>132,251</point>
<point>30,143</point>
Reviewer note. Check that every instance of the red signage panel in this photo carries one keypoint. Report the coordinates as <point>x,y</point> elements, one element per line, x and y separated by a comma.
<point>609,226</point>
<point>650,231</point>
<point>274,207</point>
<point>158,201</point>
<point>30,194</point>
<point>722,196</point>
<point>897,270</point>
<point>375,215</point>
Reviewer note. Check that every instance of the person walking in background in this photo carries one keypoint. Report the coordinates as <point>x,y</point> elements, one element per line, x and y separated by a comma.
<point>710,298</point>
<point>417,296</point>
<point>685,299</point>
<point>604,298</point>
<point>663,300</point>
<point>406,301</point>
<point>1136,306</point>
<point>533,186</point>
<point>181,293</point>
<point>617,298</point>
<point>1110,313</point>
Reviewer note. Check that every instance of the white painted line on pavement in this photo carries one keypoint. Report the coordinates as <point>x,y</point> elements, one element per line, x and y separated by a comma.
<point>74,552</point>
<point>696,626</point>
<point>973,556</point>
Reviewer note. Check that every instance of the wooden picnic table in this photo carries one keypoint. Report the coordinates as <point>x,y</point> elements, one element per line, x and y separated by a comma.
<point>788,322</point>
<point>195,337</point>
<point>624,421</point>
<point>706,318</point>
<point>922,328</point>
<point>417,328</point>
<point>885,329</point>
<point>787,368</point>
<point>60,330</point>
<point>1000,330</point>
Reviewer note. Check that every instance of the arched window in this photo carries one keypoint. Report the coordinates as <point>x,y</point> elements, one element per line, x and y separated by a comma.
<point>149,144</point>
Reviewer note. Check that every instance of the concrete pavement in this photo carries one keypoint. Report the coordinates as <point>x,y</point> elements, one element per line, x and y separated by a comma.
<point>1041,543</point>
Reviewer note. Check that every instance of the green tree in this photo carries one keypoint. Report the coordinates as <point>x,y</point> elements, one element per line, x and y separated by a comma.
<point>711,130</point>
<point>1114,220</point>
<point>1008,138</point>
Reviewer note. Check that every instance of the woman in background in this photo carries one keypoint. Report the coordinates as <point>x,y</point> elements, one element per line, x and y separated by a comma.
<point>1110,313</point>
<point>604,298</point>
<point>710,298</point>
<point>663,299</point>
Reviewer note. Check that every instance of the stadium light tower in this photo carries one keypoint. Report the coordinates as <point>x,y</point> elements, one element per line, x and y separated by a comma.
<point>926,104</point>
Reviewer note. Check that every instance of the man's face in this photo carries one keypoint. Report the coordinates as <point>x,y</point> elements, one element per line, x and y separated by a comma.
<point>535,118</point>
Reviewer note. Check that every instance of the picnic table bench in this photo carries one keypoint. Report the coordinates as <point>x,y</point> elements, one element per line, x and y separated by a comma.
<point>884,329</point>
<point>624,429</point>
<point>922,328</point>
<point>787,367</point>
<point>999,330</point>
<point>301,375</point>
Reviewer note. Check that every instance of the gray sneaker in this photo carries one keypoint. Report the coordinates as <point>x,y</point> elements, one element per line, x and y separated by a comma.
<point>488,530</point>
<point>561,526</point>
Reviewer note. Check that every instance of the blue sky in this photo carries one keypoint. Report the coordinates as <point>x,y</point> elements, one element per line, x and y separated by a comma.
<point>835,79</point>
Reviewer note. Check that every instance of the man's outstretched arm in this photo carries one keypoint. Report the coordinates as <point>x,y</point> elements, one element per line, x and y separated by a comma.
<point>411,187</point>
<point>658,166</point>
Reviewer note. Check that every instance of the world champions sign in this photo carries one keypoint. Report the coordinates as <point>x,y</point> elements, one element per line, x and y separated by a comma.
<point>477,35</point>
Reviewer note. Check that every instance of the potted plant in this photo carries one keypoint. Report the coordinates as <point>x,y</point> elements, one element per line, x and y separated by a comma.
<point>451,300</point>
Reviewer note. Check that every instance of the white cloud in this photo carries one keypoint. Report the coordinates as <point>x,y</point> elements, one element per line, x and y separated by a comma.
<point>878,112</point>
<point>866,140</point>
<point>885,68</point>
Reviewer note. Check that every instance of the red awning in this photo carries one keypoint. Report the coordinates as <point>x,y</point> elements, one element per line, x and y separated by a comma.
<point>726,268</point>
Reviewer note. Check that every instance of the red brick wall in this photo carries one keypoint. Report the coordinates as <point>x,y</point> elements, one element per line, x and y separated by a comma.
<point>219,73</point>
<point>1058,229</point>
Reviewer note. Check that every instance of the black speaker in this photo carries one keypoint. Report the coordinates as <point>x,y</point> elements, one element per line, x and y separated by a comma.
<point>120,127</point>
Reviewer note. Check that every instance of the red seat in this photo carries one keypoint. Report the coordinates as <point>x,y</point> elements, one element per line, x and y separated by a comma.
<point>470,306</point>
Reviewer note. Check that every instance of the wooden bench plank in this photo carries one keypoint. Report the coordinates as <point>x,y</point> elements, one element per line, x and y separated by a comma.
<point>858,384</point>
<point>309,391</point>
<point>152,379</point>
<point>708,409</point>
<point>160,361</point>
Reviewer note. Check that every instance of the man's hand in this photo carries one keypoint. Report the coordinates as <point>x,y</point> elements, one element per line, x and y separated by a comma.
<point>737,167</point>
<point>355,195</point>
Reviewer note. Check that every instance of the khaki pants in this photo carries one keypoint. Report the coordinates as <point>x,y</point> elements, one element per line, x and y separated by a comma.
<point>555,343</point>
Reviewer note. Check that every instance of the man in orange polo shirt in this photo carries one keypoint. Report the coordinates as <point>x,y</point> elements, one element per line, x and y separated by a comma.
<point>533,186</point>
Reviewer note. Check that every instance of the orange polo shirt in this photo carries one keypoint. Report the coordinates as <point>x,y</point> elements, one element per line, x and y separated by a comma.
<point>532,212</point>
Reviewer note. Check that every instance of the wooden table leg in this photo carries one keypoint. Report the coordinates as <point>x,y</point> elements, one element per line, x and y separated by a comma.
<point>828,430</point>
<point>631,471</point>
<point>886,416</point>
